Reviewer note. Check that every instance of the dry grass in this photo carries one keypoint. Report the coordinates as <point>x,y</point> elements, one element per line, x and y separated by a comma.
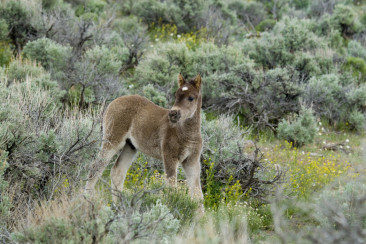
<point>57,208</point>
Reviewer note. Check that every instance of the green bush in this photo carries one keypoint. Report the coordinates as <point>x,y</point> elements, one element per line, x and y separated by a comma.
<point>85,220</point>
<point>4,199</point>
<point>30,102</point>
<point>344,20</point>
<point>341,213</point>
<point>93,6</point>
<point>250,13</point>
<point>301,3</point>
<point>355,49</point>
<point>269,51</point>
<point>103,80</point>
<point>184,14</point>
<point>227,164</point>
<point>130,39</point>
<point>318,8</point>
<point>325,94</point>
<point>165,226</point>
<point>3,29</point>
<point>298,34</point>
<point>233,224</point>
<point>18,18</point>
<point>300,130</point>
<point>51,55</point>
<point>212,231</point>
<point>5,50</point>
<point>91,77</point>
<point>161,68</point>
<point>284,43</point>
<point>49,4</point>
<point>19,69</point>
<point>38,135</point>
<point>153,95</point>
<point>266,25</point>
<point>261,98</point>
<point>335,215</point>
<point>5,53</point>
<point>222,138</point>
<point>357,121</point>
<point>147,173</point>
<point>356,97</point>
<point>357,66</point>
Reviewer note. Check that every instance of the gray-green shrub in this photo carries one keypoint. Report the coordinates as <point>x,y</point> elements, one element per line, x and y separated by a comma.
<point>44,142</point>
<point>334,96</point>
<point>341,214</point>
<point>355,49</point>
<point>51,55</point>
<point>19,69</point>
<point>154,95</point>
<point>324,94</point>
<point>279,47</point>
<point>300,130</point>
<point>92,76</point>
<point>336,215</point>
<point>85,220</point>
<point>229,78</point>
<point>132,36</point>
<point>3,29</point>
<point>357,120</point>
<point>357,66</point>
<point>344,20</point>
<point>229,158</point>
<point>4,198</point>
<point>249,13</point>
<point>161,67</point>
<point>19,20</point>
<point>184,14</point>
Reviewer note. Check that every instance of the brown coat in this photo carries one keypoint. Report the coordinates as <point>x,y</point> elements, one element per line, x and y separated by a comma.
<point>134,123</point>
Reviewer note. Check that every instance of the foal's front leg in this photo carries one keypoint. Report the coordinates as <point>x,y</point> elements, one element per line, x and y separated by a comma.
<point>170,168</point>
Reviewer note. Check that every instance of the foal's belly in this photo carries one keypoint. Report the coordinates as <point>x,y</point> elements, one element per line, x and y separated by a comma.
<point>147,143</point>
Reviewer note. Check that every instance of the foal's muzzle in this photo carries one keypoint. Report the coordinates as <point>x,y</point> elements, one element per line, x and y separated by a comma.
<point>174,116</point>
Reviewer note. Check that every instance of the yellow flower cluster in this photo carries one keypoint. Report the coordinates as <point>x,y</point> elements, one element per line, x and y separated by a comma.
<point>168,32</point>
<point>140,176</point>
<point>136,177</point>
<point>310,175</point>
<point>233,193</point>
<point>306,172</point>
<point>63,187</point>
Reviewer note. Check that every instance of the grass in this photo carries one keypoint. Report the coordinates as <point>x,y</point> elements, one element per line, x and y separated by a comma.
<point>234,216</point>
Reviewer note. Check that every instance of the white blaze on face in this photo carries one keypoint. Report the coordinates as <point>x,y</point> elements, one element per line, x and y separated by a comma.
<point>185,88</point>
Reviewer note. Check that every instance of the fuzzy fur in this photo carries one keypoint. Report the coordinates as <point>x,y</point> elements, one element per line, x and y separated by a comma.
<point>134,123</point>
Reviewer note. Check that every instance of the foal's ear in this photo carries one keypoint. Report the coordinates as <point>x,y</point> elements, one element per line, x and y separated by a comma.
<point>181,80</point>
<point>197,81</point>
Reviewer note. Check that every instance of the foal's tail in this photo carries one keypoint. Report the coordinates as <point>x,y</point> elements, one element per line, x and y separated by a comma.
<point>103,109</point>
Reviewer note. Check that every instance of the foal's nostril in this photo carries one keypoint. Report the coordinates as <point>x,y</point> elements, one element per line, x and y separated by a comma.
<point>174,115</point>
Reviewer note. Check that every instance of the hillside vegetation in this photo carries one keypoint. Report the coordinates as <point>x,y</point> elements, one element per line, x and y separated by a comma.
<point>283,121</point>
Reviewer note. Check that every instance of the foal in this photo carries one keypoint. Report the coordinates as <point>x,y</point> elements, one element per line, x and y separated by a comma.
<point>133,123</point>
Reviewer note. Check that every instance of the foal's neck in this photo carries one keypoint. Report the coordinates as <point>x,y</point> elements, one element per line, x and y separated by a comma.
<point>191,128</point>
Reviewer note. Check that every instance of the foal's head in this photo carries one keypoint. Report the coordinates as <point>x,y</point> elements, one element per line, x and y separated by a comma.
<point>187,99</point>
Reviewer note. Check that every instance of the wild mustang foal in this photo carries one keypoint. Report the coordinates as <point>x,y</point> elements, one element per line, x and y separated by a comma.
<point>133,123</point>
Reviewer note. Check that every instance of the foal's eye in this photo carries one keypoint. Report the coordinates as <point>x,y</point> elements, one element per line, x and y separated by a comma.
<point>190,98</point>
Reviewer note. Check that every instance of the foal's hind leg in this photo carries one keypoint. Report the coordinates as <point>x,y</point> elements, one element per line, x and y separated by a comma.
<point>192,170</point>
<point>119,170</point>
<point>104,157</point>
